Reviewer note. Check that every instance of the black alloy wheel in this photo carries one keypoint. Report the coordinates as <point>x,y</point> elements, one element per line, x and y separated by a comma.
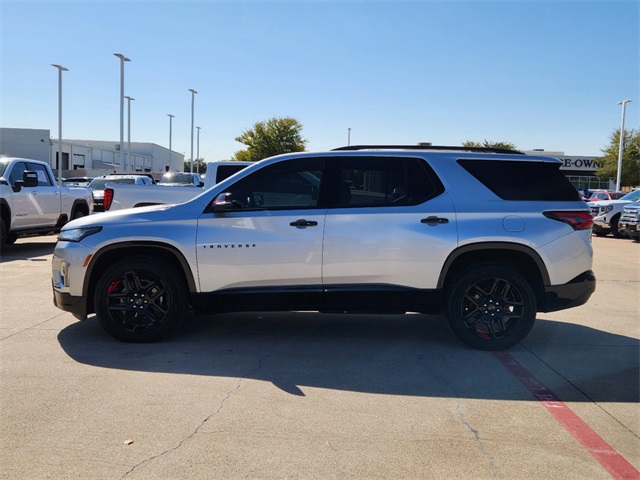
<point>491,307</point>
<point>140,299</point>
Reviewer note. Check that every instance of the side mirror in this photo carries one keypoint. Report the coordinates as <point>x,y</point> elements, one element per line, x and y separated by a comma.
<point>30,178</point>
<point>223,203</point>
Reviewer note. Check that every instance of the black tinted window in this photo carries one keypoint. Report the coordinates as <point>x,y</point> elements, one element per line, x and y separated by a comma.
<point>519,180</point>
<point>225,171</point>
<point>386,181</point>
<point>284,185</point>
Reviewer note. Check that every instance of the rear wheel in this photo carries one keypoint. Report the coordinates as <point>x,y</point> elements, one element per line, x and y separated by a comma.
<point>77,213</point>
<point>140,299</point>
<point>491,307</point>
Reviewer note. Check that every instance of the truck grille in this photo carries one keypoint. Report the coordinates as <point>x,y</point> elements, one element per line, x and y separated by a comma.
<point>630,214</point>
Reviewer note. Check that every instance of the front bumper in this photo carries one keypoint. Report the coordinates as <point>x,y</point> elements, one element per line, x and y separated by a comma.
<point>601,222</point>
<point>75,305</point>
<point>571,294</point>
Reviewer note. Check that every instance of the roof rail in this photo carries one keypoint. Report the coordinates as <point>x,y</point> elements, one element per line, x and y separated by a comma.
<point>429,147</point>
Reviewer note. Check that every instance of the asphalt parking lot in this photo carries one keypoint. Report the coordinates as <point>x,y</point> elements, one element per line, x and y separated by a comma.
<point>311,396</point>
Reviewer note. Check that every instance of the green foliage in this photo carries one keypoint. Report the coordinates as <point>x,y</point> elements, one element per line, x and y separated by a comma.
<point>199,166</point>
<point>269,138</point>
<point>488,144</point>
<point>630,158</point>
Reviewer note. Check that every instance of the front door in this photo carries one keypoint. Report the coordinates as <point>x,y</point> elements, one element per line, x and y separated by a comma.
<point>273,238</point>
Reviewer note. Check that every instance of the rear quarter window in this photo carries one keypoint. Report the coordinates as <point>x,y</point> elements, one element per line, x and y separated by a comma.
<point>522,180</point>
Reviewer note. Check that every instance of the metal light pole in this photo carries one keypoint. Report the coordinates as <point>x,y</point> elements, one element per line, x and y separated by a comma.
<point>126,160</point>
<point>122,60</point>
<point>198,150</point>
<point>193,95</point>
<point>60,70</point>
<point>170,152</point>
<point>619,176</point>
<point>349,136</point>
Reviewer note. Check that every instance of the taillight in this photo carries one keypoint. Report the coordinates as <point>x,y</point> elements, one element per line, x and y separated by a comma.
<point>580,220</point>
<point>108,198</point>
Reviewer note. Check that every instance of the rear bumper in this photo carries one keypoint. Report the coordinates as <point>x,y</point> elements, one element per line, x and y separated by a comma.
<point>571,294</point>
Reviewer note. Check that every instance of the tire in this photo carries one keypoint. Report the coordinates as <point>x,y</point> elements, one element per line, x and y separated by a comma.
<point>140,299</point>
<point>491,307</point>
<point>11,238</point>
<point>615,229</point>
<point>601,233</point>
<point>3,235</point>
<point>77,213</point>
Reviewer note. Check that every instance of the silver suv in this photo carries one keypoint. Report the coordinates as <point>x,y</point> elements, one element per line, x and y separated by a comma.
<point>488,237</point>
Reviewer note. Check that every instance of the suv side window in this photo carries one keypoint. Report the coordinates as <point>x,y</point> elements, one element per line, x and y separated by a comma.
<point>43,176</point>
<point>386,181</point>
<point>284,185</point>
<point>522,180</point>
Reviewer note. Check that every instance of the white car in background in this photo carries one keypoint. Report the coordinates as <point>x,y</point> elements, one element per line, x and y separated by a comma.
<point>606,214</point>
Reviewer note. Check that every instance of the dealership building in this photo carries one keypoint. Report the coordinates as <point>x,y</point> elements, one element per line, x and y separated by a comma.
<point>88,157</point>
<point>580,170</point>
<point>93,158</point>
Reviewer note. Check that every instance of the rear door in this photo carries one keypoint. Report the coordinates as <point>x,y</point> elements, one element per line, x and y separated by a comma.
<point>46,195</point>
<point>393,228</point>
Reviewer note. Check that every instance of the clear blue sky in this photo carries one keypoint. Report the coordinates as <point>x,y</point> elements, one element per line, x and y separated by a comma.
<point>543,74</point>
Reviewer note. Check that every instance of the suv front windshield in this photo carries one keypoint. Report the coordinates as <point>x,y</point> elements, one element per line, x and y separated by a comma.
<point>181,178</point>
<point>633,196</point>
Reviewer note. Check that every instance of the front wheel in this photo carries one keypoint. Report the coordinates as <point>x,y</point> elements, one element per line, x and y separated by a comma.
<point>140,299</point>
<point>491,307</point>
<point>615,227</point>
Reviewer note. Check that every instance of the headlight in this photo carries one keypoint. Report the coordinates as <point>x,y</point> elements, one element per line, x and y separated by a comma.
<point>608,208</point>
<point>77,234</point>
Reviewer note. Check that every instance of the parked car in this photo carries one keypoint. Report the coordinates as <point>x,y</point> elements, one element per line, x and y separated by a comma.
<point>76,181</point>
<point>118,197</point>
<point>488,236</point>
<point>599,195</point>
<point>181,179</point>
<point>606,214</point>
<point>31,203</point>
<point>98,185</point>
<point>629,223</point>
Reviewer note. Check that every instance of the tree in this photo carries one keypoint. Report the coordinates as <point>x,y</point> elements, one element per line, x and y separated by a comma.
<point>488,144</point>
<point>271,137</point>
<point>630,158</point>
<point>199,166</point>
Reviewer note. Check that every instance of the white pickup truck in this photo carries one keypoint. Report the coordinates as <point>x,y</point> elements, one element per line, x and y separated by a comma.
<point>31,203</point>
<point>118,197</point>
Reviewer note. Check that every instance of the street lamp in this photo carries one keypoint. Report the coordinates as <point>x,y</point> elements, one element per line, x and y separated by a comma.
<point>193,95</point>
<point>198,150</point>
<point>619,177</point>
<point>349,136</point>
<point>60,70</point>
<point>126,160</point>
<point>170,152</point>
<point>122,60</point>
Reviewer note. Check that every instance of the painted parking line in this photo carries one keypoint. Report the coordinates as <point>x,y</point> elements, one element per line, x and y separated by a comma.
<point>617,466</point>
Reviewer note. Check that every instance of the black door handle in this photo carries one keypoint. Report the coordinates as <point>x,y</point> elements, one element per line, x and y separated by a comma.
<point>303,223</point>
<point>434,221</point>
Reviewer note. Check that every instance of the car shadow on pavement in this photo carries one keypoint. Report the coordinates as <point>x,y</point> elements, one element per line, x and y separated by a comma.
<point>414,355</point>
<point>29,250</point>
